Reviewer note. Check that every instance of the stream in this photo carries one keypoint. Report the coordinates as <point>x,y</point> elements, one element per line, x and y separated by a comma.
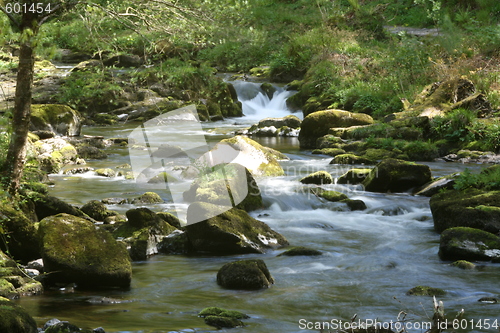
<point>371,257</point>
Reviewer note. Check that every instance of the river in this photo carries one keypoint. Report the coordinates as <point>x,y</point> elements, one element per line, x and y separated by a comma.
<point>371,258</point>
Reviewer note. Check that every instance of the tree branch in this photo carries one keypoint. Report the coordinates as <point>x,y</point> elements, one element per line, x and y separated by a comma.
<point>11,17</point>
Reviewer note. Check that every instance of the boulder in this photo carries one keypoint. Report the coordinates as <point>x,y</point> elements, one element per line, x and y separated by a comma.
<point>96,210</point>
<point>463,264</point>
<point>231,232</point>
<point>63,327</point>
<point>329,151</point>
<point>270,127</point>
<point>425,291</point>
<point>462,243</point>
<point>317,124</point>
<point>355,204</point>
<point>143,232</point>
<point>54,153</point>
<point>14,319</point>
<point>74,251</point>
<point>259,160</point>
<point>317,178</point>
<point>147,198</point>
<point>332,196</point>
<point>105,172</point>
<point>227,191</point>
<point>245,275</point>
<point>222,318</point>
<point>354,176</point>
<point>14,282</point>
<point>436,185</point>
<point>392,175</point>
<point>22,240</point>
<point>300,251</point>
<point>290,121</point>
<point>351,159</point>
<point>472,208</point>
<point>60,119</point>
<point>46,205</point>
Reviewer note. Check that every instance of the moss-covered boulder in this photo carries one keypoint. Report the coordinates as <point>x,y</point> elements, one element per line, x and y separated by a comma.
<point>228,191</point>
<point>352,159</point>
<point>355,204</point>
<point>64,327</point>
<point>437,185</point>
<point>317,124</point>
<point>259,160</point>
<point>230,232</point>
<point>329,141</point>
<point>354,176</point>
<point>73,250</point>
<point>329,151</point>
<point>46,205</point>
<point>147,198</point>
<point>289,121</point>
<point>96,210</point>
<point>245,275</point>
<point>222,318</point>
<point>14,281</point>
<point>286,126</point>
<point>300,251</point>
<point>60,119</point>
<point>333,196</point>
<point>472,208</point>
<point>317,178</point>
<point>392,175</point>
<point>14,319</point>
<point>425,291</point>
<point>22,235</point>
<point>464,243</point>
<point>463,264</point>
<point>54,153</point>
<point>143,232</point>
<point>105,172</point>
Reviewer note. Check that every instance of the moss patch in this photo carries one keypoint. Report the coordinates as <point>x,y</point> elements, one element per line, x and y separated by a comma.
<point>426,291</point>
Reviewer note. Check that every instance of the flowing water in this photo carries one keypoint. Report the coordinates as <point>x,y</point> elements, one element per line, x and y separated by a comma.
<point>371,257</point>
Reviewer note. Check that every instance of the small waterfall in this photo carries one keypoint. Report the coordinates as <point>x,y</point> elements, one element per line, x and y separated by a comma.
<point>257,104</point>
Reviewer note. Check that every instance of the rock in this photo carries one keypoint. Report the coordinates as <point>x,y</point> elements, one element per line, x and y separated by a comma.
<point>436,185</point>
<point>231,232</point>
<point>62,327</point>
<point>73,250</point>
<point>22,240</point>
<point>60,119</point>
<point>124,60</point>
<point>46,205</point>
<point>245,275</point>
<point>215,311</point>
<point>317,178</point>
<point>96,210</point>
<point>425,291</point>
<point>70,57</point>
<point>355,204</point>
<point>105,172</point>
<point>50,323</point>
<point>396,176</point>
<point>176,242</point>
<point>143,233</point>
<point>14,319</point>
<point>77,170</point>
<point>223,322</point>
<point>351,159</point>
<point>268,89</point>
<point>222,318</point>
<point>93,153</point>
<point>54,153</point>
<point>42,135</point>
<point>170,219</point>
<point>354,176</point>
<point>14,282</point>
<point>488,300</point>
<point>329,141</point>
<point>333,196</point>
<point>464,264</point>
<point>317,124</point>
<point>472,208</point>
<point>462,243</point>
<point>259,160</point>
<point>147,198</point>
<point>329,151</point>
<point>300,251</point>
<point>288,121</point>
<point>229,191</point>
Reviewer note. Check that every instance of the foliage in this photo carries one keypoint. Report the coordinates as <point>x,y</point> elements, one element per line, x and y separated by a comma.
<point>453,126</point>
<point>488,179</point>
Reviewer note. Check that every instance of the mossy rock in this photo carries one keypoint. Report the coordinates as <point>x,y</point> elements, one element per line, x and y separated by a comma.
<point>259,160</point>
<point>14,319</point>
<point>245,275</point>
<point>329,151</point>
<point>60,119</point>
<point>176,242</point>
<point>105,172</point>
<point>462,243</point>
<point>425,291</point>
<point>63,327</point>
<point>14,282</point>
<point>162,178</point>
<point>438,185</point>
<point>300,251</point>
<point>466,208</point>
<point>392,175</point>
<point>228,232</point>
<point>464,264</point>
<point>216,311</point>
<point>317,178</point>
<point>23,241</point>
<point>333,196</point>
<point>223,322</point>
<point>329,141</point>
<point>290,121</point>
<point>96,210</point>
<point>317,124</point>
<point>375,154</point>
<point>73,250</point>
<point>46,205</point>
<point>54,153</point>
<point>170,219</point>
<point>351,159</point>
<point>147,198</point>
<point>354,176</point>
<point>89,152</point>
<point>355,204</point>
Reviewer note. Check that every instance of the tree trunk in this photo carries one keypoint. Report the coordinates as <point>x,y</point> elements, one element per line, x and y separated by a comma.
<point>16,154</point>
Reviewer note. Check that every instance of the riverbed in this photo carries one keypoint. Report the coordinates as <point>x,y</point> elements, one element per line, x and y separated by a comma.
<point>371,258</point>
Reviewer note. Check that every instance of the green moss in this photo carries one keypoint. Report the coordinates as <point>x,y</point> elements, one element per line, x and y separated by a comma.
<point>318,178</point>
<point>329,151</point>
<point>147,198</point>
<point>464,264</point>
<point>351,159</point>
<point>377,154</point>
<point>14,319</point>
<point>215,311</point>
<point>333,196</point>
<point>426,291</point>
<point>105,172</point>
<point>354,176</point>
<point>223,322</point>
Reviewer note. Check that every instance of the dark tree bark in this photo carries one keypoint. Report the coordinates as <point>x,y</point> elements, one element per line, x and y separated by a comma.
<point>16,154</point>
